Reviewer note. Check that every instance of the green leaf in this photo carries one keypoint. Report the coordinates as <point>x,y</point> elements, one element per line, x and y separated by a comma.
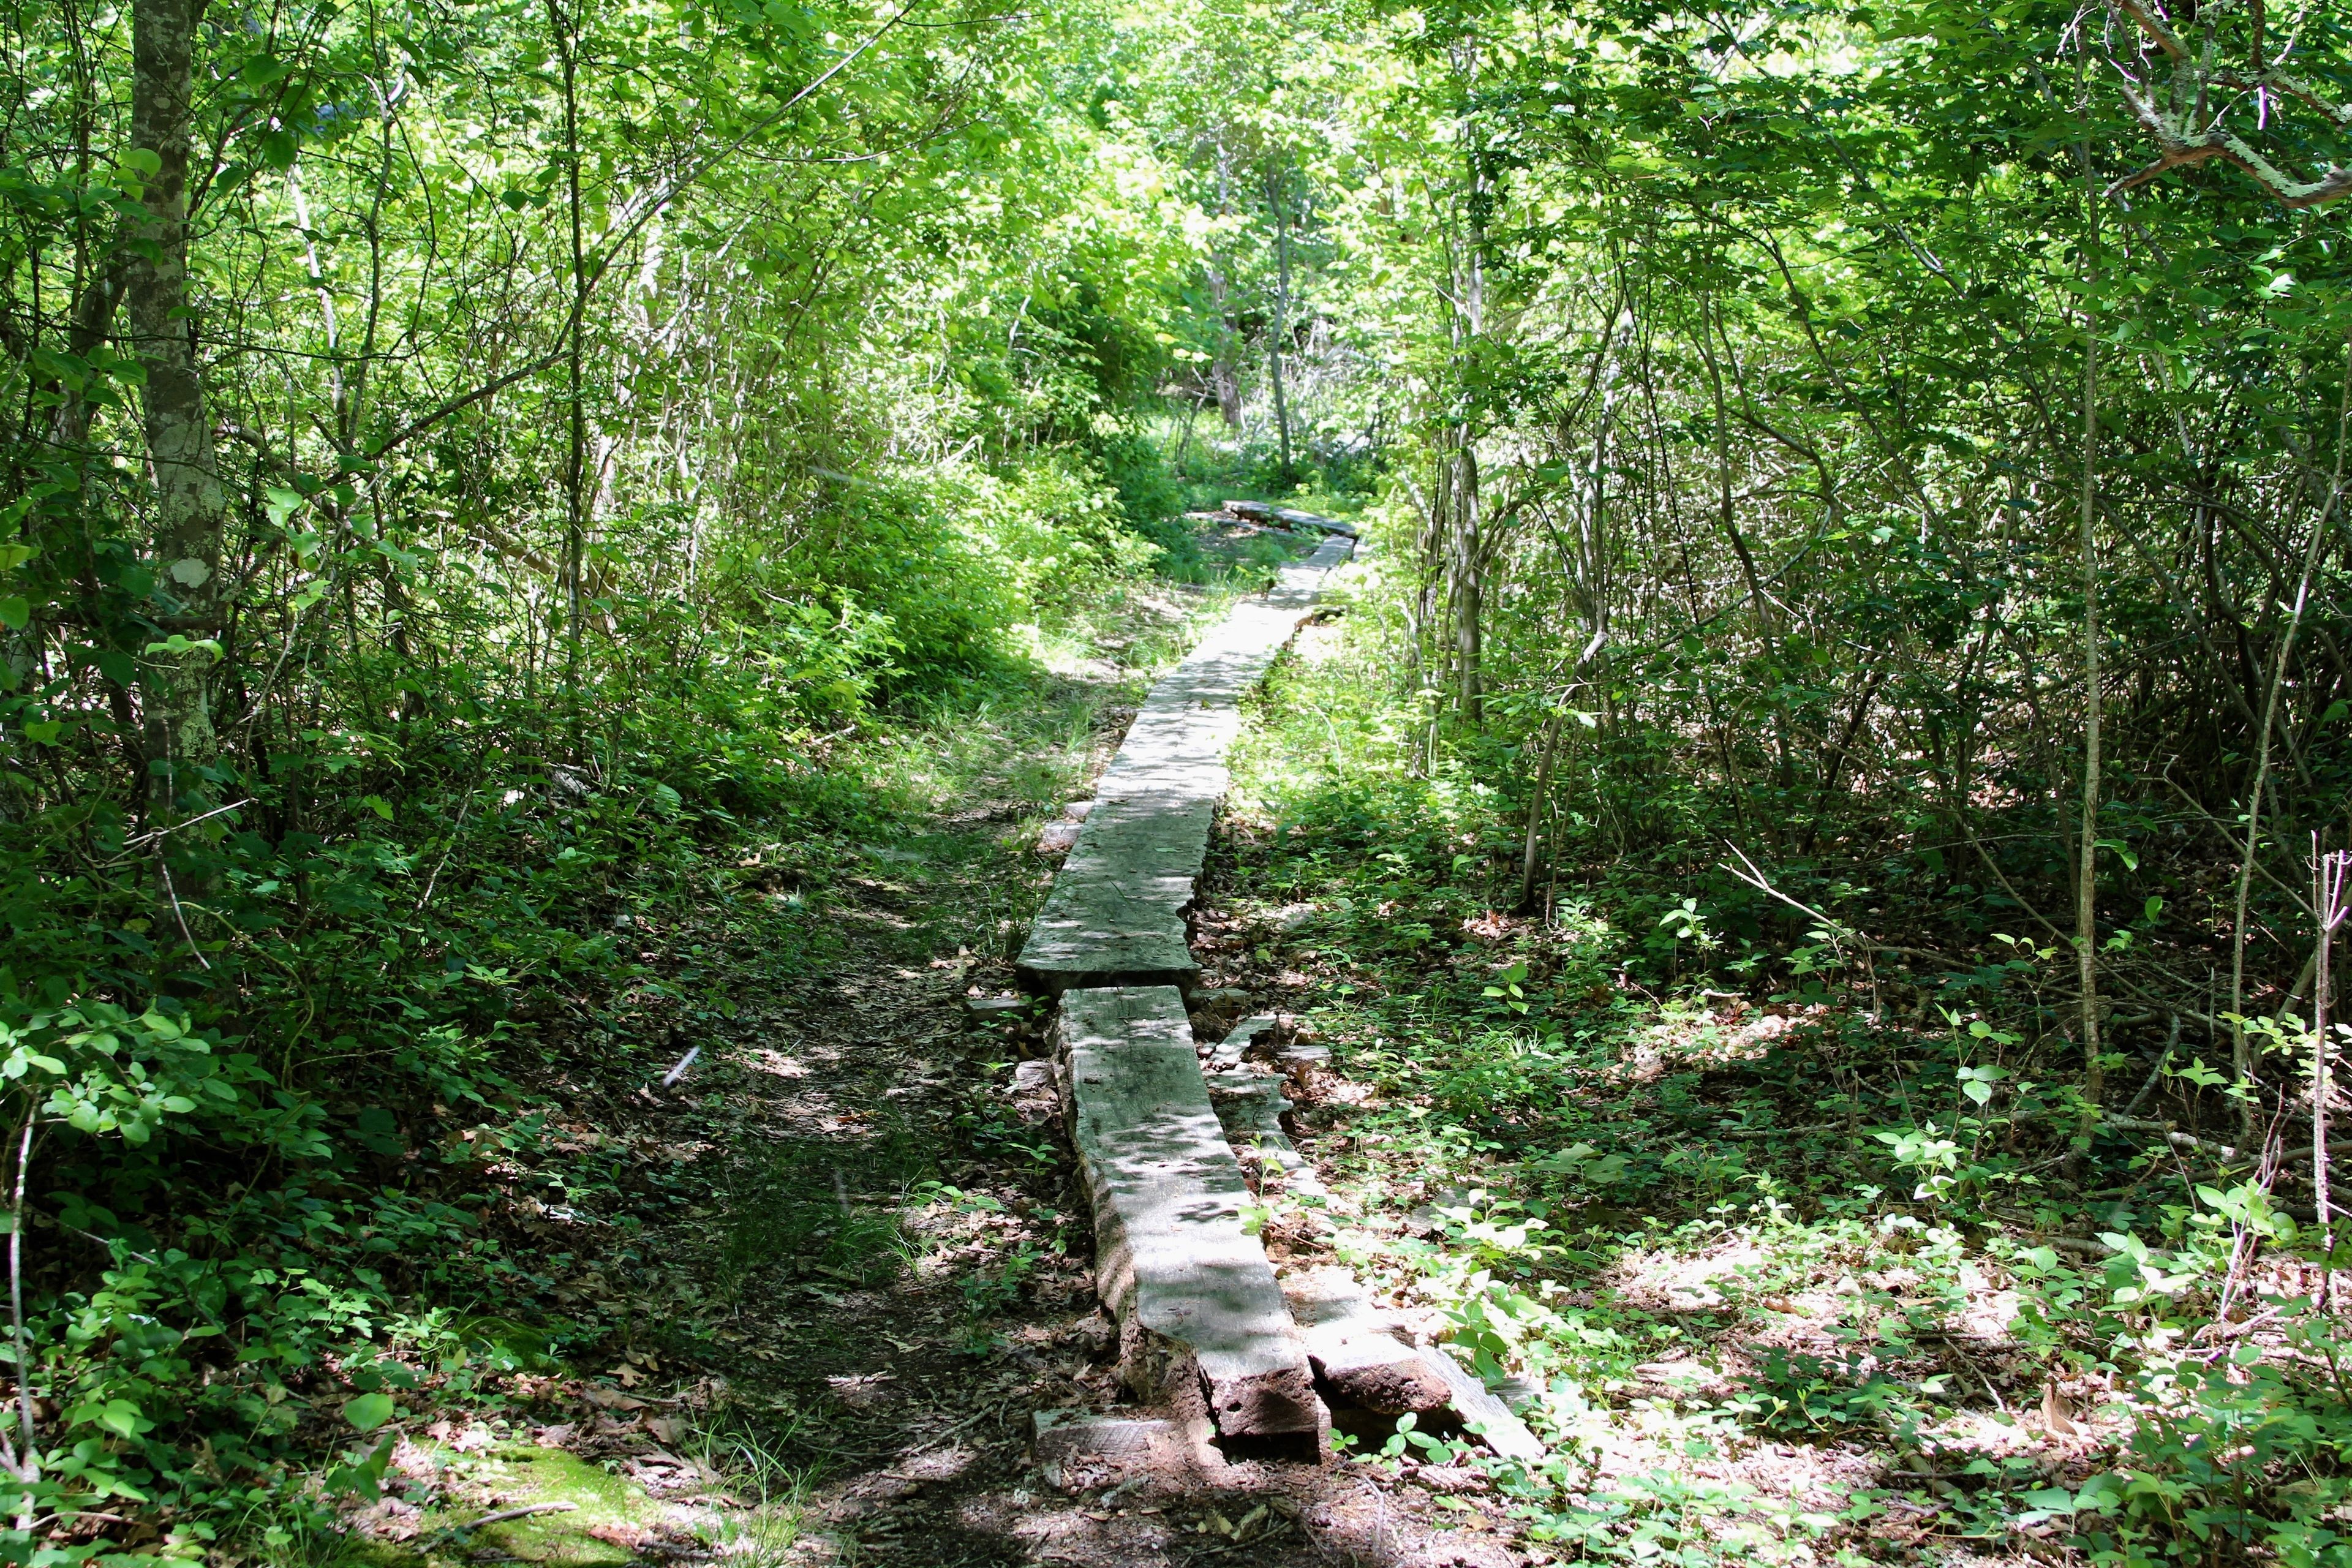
<point>16,610</point>
<point>369,1410</point>
<point>121,1415</point>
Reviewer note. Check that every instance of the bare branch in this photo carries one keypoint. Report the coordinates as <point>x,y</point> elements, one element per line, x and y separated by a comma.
<point>2164,37</point>
<point>2180,144</point>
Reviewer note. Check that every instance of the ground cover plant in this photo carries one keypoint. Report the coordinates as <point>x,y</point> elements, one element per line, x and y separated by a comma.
<point>1816,1268</point>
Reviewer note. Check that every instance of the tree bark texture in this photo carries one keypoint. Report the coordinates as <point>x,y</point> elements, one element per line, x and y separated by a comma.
<point>190,505</point>
<point>2086,880</point>
<point>1281,328</point>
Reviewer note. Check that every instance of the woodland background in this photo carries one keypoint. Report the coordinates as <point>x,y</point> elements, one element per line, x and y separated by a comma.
<point>1859,495</point>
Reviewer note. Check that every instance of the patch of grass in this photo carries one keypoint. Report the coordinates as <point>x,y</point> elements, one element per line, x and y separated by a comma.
<point>600,1513</point>
<point>758,1459</point>
<point>599,1497</point>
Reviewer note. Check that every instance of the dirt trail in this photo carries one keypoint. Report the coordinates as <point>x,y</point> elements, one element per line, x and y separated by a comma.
<point>921,1388</point>
<point>913,1393</point>
<point>844,1261</point>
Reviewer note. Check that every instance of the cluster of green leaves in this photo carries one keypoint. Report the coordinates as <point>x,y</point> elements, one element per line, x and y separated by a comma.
<point>869,312</point>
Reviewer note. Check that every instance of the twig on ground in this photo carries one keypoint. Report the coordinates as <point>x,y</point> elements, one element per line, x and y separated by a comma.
<point>2177,1139</point>
<point>448,849</point>
<point>507,1513</point>
<point>2171,1047</point>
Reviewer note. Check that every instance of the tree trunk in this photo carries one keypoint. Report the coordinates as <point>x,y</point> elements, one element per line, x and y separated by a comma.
<point>1222,376</point>
<point>2086,880</point>
<point>2086,874</point>
<point>1469,552</point>
<point>1467,563</point>
<point>190,506</point>
<point>1281,328</point>
<point>575,458</point>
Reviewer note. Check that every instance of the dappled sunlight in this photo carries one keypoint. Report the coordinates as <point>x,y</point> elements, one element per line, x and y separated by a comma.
<point>1685,1282</point>
<point>1737,1256</point>
<point>616,620</point>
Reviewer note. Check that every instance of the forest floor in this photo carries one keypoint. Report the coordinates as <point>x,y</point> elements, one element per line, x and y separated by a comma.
<point>842,1261</point>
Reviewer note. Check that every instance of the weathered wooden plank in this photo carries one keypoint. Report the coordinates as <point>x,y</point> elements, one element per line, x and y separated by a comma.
<point>1203,1323</point>
<point>1075,1446</point>
<point>1362,1363</point>
<point>1249,1106</point>
<point>1482,1411</point>
<point>1236,1046</point>
<point>1116,913</point>
<point>1265,511</point>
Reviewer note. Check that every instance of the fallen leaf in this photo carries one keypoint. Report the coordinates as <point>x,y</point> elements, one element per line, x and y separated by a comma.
<point>610,1398</point>
<point>628,1537</point>
<point>2055,1416</point>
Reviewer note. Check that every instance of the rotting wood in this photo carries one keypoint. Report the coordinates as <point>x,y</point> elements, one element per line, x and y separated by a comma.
<point>1362,1361</point>
<point>1072,1444</point>
<point>1237,1045</point>
<point>1203,1323</point>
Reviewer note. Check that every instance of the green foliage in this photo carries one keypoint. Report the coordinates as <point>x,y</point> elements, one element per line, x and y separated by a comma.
<point>1688,1224</point>
<point>637,442</point>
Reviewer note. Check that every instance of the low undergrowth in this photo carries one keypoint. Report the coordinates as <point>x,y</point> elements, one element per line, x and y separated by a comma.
<point>1786,1258</point>
<point>459,1107</point>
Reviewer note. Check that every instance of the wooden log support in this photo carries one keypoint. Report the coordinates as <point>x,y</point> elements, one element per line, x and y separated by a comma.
<point>1265,511</point>
<point>1364,1364</point>
<point>1249,1106</point>
<point>1203,1324</point>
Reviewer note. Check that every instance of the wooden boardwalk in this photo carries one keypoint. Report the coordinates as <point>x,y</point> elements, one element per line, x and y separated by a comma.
<point>1115,916</point>
<point>1206,1329</point>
